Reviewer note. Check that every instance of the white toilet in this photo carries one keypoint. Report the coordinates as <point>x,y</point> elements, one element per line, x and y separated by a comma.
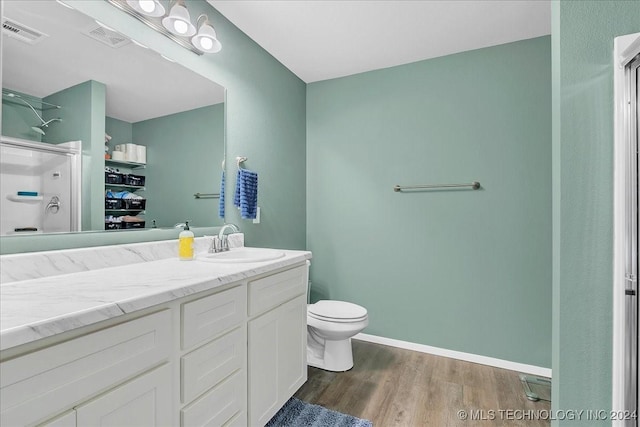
<point>330,326</point>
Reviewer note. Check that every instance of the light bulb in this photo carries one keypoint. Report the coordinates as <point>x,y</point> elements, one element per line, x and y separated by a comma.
<point>147,5</point>
<point>180,26</point>
<point>206,43</point>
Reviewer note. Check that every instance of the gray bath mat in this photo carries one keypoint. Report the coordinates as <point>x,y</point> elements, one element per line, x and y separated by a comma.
<point>296,413</point>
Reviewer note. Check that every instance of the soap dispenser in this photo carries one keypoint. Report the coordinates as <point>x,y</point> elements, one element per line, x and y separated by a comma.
<point>185,243</point>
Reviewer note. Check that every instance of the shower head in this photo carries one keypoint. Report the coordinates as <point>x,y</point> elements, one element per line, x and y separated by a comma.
<point>43,123</point>
<point>40,129</point>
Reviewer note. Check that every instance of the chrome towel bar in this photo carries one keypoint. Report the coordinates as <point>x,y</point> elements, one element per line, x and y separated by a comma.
<point>207,195</point>
<point>474,185</point>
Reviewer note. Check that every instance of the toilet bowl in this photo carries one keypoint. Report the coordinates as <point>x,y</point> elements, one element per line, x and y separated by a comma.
<point>330,326</point>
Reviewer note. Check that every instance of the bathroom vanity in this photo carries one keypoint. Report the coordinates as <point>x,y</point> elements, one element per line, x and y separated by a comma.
<point>160,342</point>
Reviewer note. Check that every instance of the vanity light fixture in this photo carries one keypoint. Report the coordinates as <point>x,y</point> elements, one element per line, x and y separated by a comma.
<point>175,25</point>
<point>179,22</point>
<point>206,40</point>
<point>147,7</point>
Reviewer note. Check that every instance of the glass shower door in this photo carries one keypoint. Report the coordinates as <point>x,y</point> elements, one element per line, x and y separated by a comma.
<point>39,185</point>
<point>632,403</point>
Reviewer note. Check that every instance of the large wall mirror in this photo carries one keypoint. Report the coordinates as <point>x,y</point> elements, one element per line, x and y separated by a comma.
<point>156,126</point>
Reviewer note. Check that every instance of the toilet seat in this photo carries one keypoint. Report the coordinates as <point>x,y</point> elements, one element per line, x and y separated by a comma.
<point>337,311</point>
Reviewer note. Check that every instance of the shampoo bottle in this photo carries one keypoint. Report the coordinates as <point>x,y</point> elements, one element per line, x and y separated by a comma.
<point>185,244</point>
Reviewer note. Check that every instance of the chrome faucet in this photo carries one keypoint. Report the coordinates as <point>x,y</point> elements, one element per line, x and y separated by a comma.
<point>223,238</point>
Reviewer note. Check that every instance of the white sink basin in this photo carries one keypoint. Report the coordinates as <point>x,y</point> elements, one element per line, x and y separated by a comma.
<point>243,254</point>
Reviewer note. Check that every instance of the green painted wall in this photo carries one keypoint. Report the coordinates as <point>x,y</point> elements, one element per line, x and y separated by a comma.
<point>121,132</point>
<point>17,118</point>
<point>83,118</point>
<point>583,142</point>
<point>461,270</point>
<point>184,157</point>
<point>265,121</point>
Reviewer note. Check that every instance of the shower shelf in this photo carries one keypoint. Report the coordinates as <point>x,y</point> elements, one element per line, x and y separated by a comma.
<point>24,199</point>
<point>11,98</point>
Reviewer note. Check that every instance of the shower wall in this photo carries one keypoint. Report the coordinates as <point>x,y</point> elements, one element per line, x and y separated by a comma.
<point>17,118</point>
<point>18,173</point>
<point>47,173</point>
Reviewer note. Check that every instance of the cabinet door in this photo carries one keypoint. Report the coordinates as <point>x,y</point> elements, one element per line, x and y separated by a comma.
<point>277,358</point>
<point>292,347</point>
<point>144,401</point>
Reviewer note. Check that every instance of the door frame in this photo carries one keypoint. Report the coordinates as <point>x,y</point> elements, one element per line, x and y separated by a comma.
<point>625,49</point>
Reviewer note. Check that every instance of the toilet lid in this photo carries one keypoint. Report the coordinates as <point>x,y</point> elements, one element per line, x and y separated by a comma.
<point>337,310</point>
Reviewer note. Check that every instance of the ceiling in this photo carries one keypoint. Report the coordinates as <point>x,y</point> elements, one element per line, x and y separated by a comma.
<point>140,84</point>
<point>315,39</point>
<point>325,39</point>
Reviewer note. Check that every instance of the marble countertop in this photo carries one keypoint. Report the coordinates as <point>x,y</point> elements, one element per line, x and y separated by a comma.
<point>43,307</point>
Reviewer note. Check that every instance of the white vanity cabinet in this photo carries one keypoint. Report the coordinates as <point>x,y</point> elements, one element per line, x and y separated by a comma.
<point>231,355</point>
<point>277,333</point>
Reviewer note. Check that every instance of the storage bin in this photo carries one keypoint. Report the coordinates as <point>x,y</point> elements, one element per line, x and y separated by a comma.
<point>137,180</point>
<point>129,225</point>
<point>134,204</point>
<point>113,225</point>
<point>113,178</point>
<point>113,203</point>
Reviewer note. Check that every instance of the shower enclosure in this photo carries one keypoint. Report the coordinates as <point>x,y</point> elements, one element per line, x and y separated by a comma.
<point>39,186</point>
<point>626,378</point>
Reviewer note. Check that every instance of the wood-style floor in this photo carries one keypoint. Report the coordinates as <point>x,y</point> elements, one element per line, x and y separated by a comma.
<point>397,387</point>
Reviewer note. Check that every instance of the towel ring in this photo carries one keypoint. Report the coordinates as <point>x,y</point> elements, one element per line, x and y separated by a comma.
<point>240,159</point>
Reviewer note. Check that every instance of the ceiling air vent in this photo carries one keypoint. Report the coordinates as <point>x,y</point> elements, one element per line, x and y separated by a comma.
<point>21,32</point>
<point>110,38</point>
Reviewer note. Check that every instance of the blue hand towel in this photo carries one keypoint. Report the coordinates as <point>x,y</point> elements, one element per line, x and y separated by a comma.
<point>221,205</point>
<point>236,194</point>
<point>246,195</point>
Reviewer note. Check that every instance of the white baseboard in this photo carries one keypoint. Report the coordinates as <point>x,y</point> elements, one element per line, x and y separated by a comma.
<point>467,357</point>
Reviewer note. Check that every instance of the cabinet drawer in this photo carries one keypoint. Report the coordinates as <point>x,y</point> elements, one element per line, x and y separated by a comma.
<point>44,383</point>
<point>207,317</point>
<point>272,291</point>
<point>208,365</point>
<point>225,403</point>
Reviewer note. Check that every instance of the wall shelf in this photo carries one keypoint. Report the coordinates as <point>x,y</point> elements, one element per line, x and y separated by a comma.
<point>123,163</point>
<point>140,211</point>
<point>124,186</point>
